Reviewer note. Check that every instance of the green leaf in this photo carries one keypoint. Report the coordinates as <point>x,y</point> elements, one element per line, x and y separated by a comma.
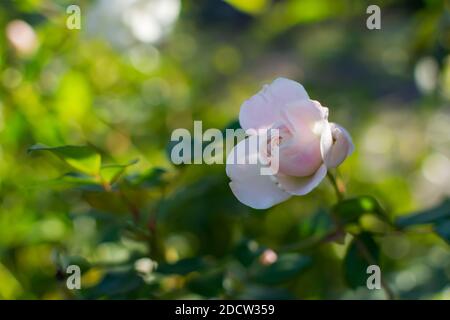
<point>78,178</point>
<point>258,292</point>
<point>442,228</point>
<point>79,261</point>
<point>11,287</point>
<point>317,225</point>
<point>249,6</point>
<point>286,14</point>
<point>207,284</point>
<point>183,266</point>
<point>247,251</point>
<point>112,172</point>
<point>350,210</point>
<point>115,285</point>
<point>286,267</point>
<point>114,201</point>
<point>150,179</point>
<point>81,158</point>
<point>362,252</point>
<point>233,125</point>
<point>433,215</point>
<point>63,261</point>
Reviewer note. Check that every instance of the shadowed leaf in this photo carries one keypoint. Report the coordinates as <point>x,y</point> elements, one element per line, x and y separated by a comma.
<point>287,266</point>
<point>207,284</point>
<point>183,266</point>
<point>350,210</point>
<point>362,252</point>
<point>443,230</point>
<point>432,215</point>
<point>247,251</point>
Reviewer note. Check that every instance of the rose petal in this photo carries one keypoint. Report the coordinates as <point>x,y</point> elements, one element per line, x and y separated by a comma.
<point>323,110</point>
<point>326,140</point>
<point>342,146</point>
<point>302,185</point>
<point>263,109</point>
<point>300,154</point>
<point>248,185</point>
<point>302,116</point>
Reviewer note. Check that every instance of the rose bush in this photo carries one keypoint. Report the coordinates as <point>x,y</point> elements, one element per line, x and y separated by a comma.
<point>308,145</point>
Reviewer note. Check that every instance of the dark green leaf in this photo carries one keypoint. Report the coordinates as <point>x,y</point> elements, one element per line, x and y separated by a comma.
<point>183,266</point>
<point>287,266</point>
<point>257,292</point>
<point>435,214</point>
<point>247,251</point>
<point>362,252</point>
<point>208,284</point>
<point>63,261</point>
<point>150,179</point>
<point>79,261</point>
<point>350,210</point>
<point>81,158</point>
<point>316,225</point>
<point>442,228</point>
<point>115,284</point>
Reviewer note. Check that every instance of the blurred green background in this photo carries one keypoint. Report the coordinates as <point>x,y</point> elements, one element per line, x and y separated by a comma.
<point>138,69</point>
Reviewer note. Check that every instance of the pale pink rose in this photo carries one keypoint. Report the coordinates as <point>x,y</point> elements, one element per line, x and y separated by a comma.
<point>308,145</point>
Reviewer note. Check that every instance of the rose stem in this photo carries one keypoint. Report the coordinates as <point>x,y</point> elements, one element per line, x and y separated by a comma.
<point>359,244</point>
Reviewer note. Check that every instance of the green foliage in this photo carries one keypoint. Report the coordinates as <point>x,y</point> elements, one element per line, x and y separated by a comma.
<point>317,226</point>
<point>115,285</point>
<point>184,266</point>
<point>284,269</point>
<point>81,158</point>
<point>207,284</point>
<point>250,6</point>
<point>112,172</point>
<point>247,252</point>
<point>362,252</point>
<point>438,217</point>
<point>148,229</point>
<point>436,214</point>
<point>443,230</point>
<point>350,210</point>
